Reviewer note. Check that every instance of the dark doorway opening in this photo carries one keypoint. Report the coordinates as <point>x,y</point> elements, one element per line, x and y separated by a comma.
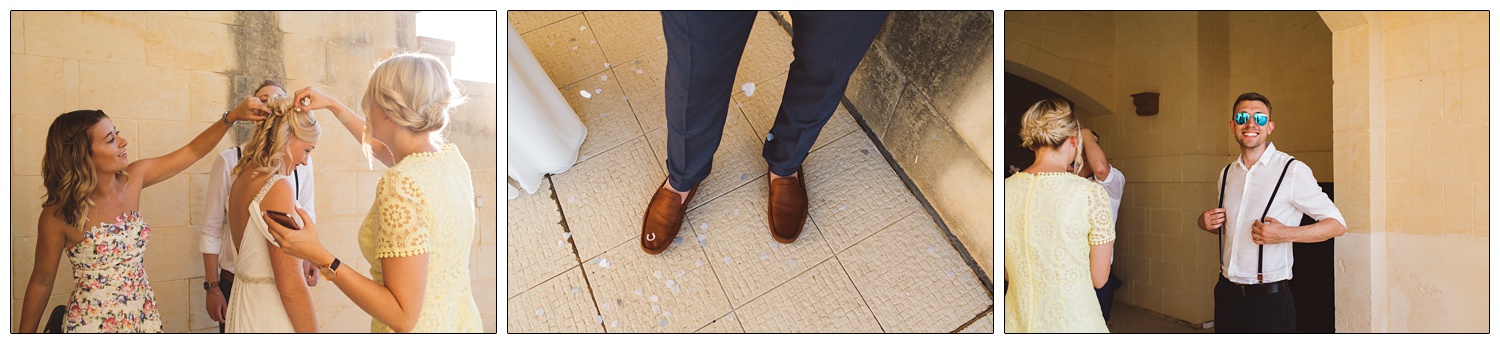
<point>1020,94</point>
<point>1312,282</point>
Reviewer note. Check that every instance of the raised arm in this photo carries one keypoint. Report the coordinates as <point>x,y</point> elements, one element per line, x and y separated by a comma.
<point>1097,161</point>
<point>158,169</point>
<point>50,243</point>
<point>287,270</point>
<point>351,121</point>
<point>212,234</point>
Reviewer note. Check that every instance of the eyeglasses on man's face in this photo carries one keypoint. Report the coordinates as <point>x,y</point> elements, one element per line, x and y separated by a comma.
<point>1260,118</point>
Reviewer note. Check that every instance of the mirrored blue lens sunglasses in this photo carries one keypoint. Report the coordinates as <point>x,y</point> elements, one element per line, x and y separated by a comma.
<point>1260,118</point>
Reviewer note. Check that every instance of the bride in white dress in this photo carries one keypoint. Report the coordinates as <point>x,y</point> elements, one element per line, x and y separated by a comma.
<point>270,293</point>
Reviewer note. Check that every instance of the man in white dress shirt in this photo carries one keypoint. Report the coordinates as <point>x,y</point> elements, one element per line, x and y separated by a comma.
<point>1253,293</point>
<point>218,252</point>
<point>1096,167</point>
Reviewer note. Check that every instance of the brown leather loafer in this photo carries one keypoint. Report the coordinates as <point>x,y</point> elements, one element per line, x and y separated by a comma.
<point>663,219</point>
<point>786,210</point>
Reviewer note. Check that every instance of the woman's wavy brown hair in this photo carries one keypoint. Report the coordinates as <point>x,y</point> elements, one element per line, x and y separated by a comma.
<point>269,142</point>
<point>68,170</point>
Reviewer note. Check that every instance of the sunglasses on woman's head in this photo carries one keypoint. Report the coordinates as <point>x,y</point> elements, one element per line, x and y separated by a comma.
<point>1260,118</point>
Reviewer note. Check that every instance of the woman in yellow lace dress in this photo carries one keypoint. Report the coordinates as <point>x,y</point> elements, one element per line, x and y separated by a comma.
<point>418,232</point>
<point>1059,232</point>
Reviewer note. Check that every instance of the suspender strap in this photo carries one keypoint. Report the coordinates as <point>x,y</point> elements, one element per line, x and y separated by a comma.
<point>1223,179</point>
<point>1261,249</point>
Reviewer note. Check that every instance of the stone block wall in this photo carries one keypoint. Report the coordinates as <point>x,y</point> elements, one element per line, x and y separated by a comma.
<point>165,76</point>
<point>936,115</point>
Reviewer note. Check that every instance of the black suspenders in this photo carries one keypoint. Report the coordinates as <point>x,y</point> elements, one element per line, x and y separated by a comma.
<point>1261,249</point>
<point>297,180</point>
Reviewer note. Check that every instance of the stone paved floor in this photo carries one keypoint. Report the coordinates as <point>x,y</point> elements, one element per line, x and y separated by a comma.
<point>869,259</point>
<point>1125,318</point>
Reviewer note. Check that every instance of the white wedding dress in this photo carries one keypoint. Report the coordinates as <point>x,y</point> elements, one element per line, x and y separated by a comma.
<point>544,133</point>
<point>255,304</point>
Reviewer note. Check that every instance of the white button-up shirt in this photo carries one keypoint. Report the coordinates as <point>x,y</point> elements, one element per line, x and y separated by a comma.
<point>1114,185</point>
<point>1245,195</point>
<point>213,228</point>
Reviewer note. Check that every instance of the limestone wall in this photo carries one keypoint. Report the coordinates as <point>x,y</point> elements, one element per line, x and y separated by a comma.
<point>164,76</point>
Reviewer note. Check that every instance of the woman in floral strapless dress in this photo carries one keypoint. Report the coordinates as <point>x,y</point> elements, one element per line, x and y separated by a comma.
<point>93,193</point>
<point>112,293</point>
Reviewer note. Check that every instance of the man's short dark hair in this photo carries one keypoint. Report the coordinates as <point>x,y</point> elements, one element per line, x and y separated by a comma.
<point>1251,96</point>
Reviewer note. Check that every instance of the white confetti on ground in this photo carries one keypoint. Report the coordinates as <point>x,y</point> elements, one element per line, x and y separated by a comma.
<point>774,246</point>
<point>842,207</point>
<point>698,263</point>
<point>727,260</point>
<point>585,94</point>
<point>931,249</point>
<point>676,289</point>
<point>658,37</point>
<point>765,256</point>
<point>655,309</point>
<point>560,244</point>
<point>656,274</point>
<point>654,298</point>
<point>744,176</point>
<point>670,283</point>
<point>603,77</point>
<point>605,305</point>
<point>666,313</point>
<point>736,211</point>
<point>604,263</point>
<point>575,290</point>
<point>794,262</point>
<point>624,97</point>
<point>599,319</point>
<point>572,199</point>
<point>598,91</point>
<point>770,136</point>
<point>606,65</point>
<point>593,42</point>
<point>540,312</point>
<point>575,48</point>
<point>663,322</point>
<point>639,71</point>
<point>703,226</point>
<point>603,115</point>
<point>637,291</point>
<point>677,240</point>
<point>702,237</point>
<point>581,28</point>
<point>749,89</point>
<point>614,323</point>
<point>730,317</point>
<point>680,273</point>
<point>950,273</point>
<point>567,235</point>
<point>919,158</point>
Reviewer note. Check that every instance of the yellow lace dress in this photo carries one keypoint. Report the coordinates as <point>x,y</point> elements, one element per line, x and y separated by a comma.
<point>425,204</point>
<point>1051,220</point>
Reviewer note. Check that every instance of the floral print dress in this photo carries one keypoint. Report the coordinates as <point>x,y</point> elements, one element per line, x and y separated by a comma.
<point>112,293</point>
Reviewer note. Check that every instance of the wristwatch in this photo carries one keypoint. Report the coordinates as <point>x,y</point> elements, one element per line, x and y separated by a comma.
<point>225,118</point>
<point>329,271</point>
<point>210,286</point>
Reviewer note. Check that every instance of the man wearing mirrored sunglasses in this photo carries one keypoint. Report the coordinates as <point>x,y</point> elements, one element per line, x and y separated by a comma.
<point>1261,193</point>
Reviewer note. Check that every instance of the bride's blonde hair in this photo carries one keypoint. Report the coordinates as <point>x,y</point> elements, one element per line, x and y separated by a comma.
<point>269,142</point>
<point>414,90</point>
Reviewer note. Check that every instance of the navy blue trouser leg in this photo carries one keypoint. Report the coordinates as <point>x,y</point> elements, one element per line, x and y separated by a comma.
<point>703,52</point>
<point>827,45</point>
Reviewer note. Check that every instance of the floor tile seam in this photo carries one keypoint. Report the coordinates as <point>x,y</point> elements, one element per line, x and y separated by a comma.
<point>544,281</point>
<point>778,286</point>
<point>573,244</point>
<point>925,205</point>
<point>872,234</point>
<point>981,315</point>
<point>716,319</point>
<point>752,298</point>
<point>704,253</point>
<point>508,21</point>
<point>636,57</point>
<point>861,295</point>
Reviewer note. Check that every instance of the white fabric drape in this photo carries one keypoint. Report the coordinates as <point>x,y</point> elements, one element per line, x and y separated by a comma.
<point>543,131</point>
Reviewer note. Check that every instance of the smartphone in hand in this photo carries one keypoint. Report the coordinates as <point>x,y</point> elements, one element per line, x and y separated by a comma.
<point>283,219</point>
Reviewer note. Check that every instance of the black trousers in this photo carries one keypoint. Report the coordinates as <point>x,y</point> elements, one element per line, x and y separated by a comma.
<point>225,285</point>
<point>1107,294</point>
<point>1263,313</point>
<point>703,52</point>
